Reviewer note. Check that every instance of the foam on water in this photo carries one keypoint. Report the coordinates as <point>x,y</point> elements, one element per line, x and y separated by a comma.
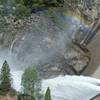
<point>66,87</point>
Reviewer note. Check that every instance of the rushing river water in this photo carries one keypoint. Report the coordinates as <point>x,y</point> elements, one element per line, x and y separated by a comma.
<point>66,87</point>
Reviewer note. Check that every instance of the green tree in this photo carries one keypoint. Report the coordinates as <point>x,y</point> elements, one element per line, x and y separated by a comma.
<point>19,1</point>
<point>31,83</point>
<point>28,3</point>
<point>22,11</point>
<point>5,79</point>
<point>48,94</point>
<point>39,3</point>
<point>3,1</point>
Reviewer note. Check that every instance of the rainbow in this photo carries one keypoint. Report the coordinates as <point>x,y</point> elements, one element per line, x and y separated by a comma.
<point>77,16</point>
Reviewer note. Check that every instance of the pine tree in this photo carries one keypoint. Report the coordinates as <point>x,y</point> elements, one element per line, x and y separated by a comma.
<point>31,83</point>
<point>48,94</point>
<point>5,80</point>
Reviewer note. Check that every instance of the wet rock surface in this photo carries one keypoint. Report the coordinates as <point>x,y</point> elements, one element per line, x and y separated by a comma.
<point>40,42</point>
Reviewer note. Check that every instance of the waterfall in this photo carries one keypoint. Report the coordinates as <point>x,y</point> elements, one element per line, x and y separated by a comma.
<point>44,41</point>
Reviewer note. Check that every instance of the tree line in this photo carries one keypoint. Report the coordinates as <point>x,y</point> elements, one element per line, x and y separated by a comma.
<point>24,8</point>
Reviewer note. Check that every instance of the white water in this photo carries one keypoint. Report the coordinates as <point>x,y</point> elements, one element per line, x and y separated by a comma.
<point>66,87</point>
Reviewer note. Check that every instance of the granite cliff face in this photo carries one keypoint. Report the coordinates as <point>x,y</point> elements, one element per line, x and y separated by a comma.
<point>44,39</point>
